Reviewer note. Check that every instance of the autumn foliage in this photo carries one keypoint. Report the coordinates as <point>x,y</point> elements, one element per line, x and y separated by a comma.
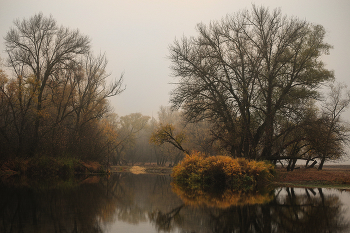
<point>224,199</point>
<point>165,133</point>
<point>54,99</point>
<point>197,171</point>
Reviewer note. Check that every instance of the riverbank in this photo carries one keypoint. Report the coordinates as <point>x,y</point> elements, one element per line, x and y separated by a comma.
<point>141,169</point>
<point>48,167</point>
<point>331,176</point>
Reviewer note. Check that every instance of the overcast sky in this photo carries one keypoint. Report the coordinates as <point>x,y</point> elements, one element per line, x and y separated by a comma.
<point>135,35</point>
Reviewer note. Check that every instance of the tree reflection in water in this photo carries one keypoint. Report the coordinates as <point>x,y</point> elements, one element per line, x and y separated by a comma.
<point>133,199</point>
<point>311,211</point>
<point>40,209</point>
<point>223,198</point>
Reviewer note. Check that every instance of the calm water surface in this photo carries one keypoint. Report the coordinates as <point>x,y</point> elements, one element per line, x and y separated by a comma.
<point>149,203</point>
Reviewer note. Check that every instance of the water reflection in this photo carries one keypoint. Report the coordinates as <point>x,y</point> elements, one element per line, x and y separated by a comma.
<point>223,198</point>
<point>130,201</point>
<point>26,209</point>
<point>310,211</point>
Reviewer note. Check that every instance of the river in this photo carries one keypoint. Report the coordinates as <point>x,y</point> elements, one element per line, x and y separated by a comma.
<point>127,202</point>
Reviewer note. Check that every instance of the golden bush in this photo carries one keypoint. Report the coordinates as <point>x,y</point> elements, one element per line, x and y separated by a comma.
<point>200,171</point>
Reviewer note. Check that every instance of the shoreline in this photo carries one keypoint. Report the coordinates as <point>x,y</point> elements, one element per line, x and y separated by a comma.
<point>332,176</point>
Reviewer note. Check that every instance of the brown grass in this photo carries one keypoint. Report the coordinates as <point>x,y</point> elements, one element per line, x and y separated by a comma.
<point>329,176</point>
<point>154,169</point>
<point>137,170</point>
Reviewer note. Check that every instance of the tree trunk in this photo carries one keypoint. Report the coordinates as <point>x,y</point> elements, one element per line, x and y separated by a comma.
<point>312,165</point>
<point>267,151</point>
<point>322,162</point>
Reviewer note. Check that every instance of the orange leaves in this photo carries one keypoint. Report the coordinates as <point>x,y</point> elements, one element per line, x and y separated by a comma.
<point>198,170</point>
<point>226,199</point>
<point>191,163</point>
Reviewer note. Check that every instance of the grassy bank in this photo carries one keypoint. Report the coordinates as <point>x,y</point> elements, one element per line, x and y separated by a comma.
<point>46,167</point>
<point>329,177</point>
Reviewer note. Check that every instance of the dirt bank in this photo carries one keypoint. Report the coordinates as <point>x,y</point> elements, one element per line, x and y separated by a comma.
<point>337,176</point>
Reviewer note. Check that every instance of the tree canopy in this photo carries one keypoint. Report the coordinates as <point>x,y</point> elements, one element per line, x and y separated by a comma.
<point>55,100</point>
<point>248,74</point>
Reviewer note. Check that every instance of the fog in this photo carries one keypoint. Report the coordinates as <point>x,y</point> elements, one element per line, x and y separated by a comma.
<point>135,35</point>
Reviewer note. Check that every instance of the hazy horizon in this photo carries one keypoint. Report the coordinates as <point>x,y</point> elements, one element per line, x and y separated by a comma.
<point>135,35</point>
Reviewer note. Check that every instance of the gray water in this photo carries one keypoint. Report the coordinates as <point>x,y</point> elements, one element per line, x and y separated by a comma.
<point>149,203</point>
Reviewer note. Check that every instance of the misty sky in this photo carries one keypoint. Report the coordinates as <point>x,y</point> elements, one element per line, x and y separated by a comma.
<point>135,35</point>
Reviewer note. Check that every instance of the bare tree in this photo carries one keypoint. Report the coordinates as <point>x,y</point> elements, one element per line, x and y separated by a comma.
<point>246,72</point>
<point>59,93</point>
<point>39,47</point>
<point>128,129</point>
<point>78,97</point>
<point>92,89</point>
<point>329,133</point>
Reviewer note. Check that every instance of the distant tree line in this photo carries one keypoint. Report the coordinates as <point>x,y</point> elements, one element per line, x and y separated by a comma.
<point>54,102</point>
<point>136,137</point>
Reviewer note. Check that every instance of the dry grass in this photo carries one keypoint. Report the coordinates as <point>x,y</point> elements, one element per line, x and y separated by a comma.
<point>154,169</point>
<point>137,170</point>
<point>329,176</point>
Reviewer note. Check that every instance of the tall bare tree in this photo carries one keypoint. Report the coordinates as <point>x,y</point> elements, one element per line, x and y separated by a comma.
<point>39,47</point>
<point>57,100</point>
<point>92,89</point>
<point>329,133</point>
<point>246,72</point>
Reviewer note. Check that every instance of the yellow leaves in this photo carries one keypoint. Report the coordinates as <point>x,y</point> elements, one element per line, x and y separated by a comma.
<point>197,170</point>
<point>109,131</point>
<point>198,165</point>
<point>165,133</point>
<point>162,134</point>
<point>21,90</point>
<point>43,114</point>
<point>260,168</point>
<point>228,198</point>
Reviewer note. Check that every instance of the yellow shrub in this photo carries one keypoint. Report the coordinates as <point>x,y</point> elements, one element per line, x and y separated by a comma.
<point>200,171</point>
